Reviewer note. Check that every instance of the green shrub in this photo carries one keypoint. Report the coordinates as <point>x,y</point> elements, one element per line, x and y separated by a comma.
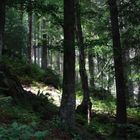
<point>18,131</point>
<point>29,73</point>
<point>133,131</point>
<point>133,113</point>
<point>52,78</point>
<point>101,94</point>
<point>55,122</point>
<point>107,106</point>
<point>80,119</point>
<point>22,114</point>
<point>101,128</point>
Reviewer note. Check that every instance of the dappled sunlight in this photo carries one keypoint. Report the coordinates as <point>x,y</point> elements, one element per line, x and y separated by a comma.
<point>39,88</point>
<point>69,70</point>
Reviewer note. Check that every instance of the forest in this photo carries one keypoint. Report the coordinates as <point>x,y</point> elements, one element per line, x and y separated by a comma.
<point>69,69</point>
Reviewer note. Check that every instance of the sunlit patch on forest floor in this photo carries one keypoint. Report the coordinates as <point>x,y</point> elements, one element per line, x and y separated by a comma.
<point>52,93</point>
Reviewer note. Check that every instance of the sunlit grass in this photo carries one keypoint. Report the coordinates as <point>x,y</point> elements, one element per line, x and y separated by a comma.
<point>106,107</point>
<point>133,113</point>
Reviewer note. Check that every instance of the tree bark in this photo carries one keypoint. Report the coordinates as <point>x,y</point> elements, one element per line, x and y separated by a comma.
<point>21,10</point>
<point>91,68</point>
<point>139,93</point>
<point>68,103</point>
<point>44,53</point>
<point>34,47</point>
<point>85,106</point>
<point>121,115</point>
<point>2,24</point>
<point>30,22</point>
<point>58,62</point>
<point>127,71</point>
<point>137,54</point>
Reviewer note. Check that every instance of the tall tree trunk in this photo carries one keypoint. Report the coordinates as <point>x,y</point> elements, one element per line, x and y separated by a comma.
<point>91,68</point>
<point>21,10</point>
<point>34,47</point>
<point>108,83</point>
<point>44,53</point>
<point>139,93</point>
<point>137,55</point>
<point>38,53</point>
<point>102,74</point>
<point>51,58</point>
<point>85,106</point>
<point>121,115</point>
<point>2,24</point>
<point>58,62</point>
<point>127,72</point>
<point>68,102</point>
<point>30,22</point>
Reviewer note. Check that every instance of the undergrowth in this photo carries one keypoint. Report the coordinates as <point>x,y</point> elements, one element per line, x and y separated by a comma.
<point>28,73</point>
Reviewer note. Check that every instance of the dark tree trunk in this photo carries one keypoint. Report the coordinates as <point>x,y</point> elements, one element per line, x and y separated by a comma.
<point>38,55</point>
<point>58,62</point>
<point>108,83</point>
<point>51,58</point>
<point>91,68</point>
<point>127,72</point>
<point>30,22</point>
<point>44,53</point>
<point>21,10</point>
<point>102,74</point>
<point>85,106</point>
<point>137,54</point>
<point>68,103</point>
<point>121,116</point>
<point>2,24</point>
<point>139,93</point>
<point>34,54</point>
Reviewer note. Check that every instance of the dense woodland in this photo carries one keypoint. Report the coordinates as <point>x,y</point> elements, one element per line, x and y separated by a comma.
<point>69,69</point>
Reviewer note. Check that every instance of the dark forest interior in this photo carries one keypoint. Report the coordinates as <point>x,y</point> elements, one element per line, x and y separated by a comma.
<point>69,70</point>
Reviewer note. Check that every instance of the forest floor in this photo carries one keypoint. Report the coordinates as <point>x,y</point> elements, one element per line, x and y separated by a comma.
<point>17,118</point>
<point>103,115</point>
<point>31,122</point>
<point>40,88</point>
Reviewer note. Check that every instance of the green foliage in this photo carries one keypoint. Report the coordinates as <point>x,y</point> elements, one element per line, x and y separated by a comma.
<point>107,106</point>
<point>133,113</point>
<point>29,73</point>
<point>80,119</point>
<point>22,114</point>
<point>55,122</point>
<point>15,34</point>
<point>22,69</point>
<point>134,131</point>
<point>5,100</point>
<point>18,131</point>
<point>43,105</point>
<point>33,71</point>
<point>101,94</point>
<point>100,128</point>
<point>135,76</point>
<point>52,78</point>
